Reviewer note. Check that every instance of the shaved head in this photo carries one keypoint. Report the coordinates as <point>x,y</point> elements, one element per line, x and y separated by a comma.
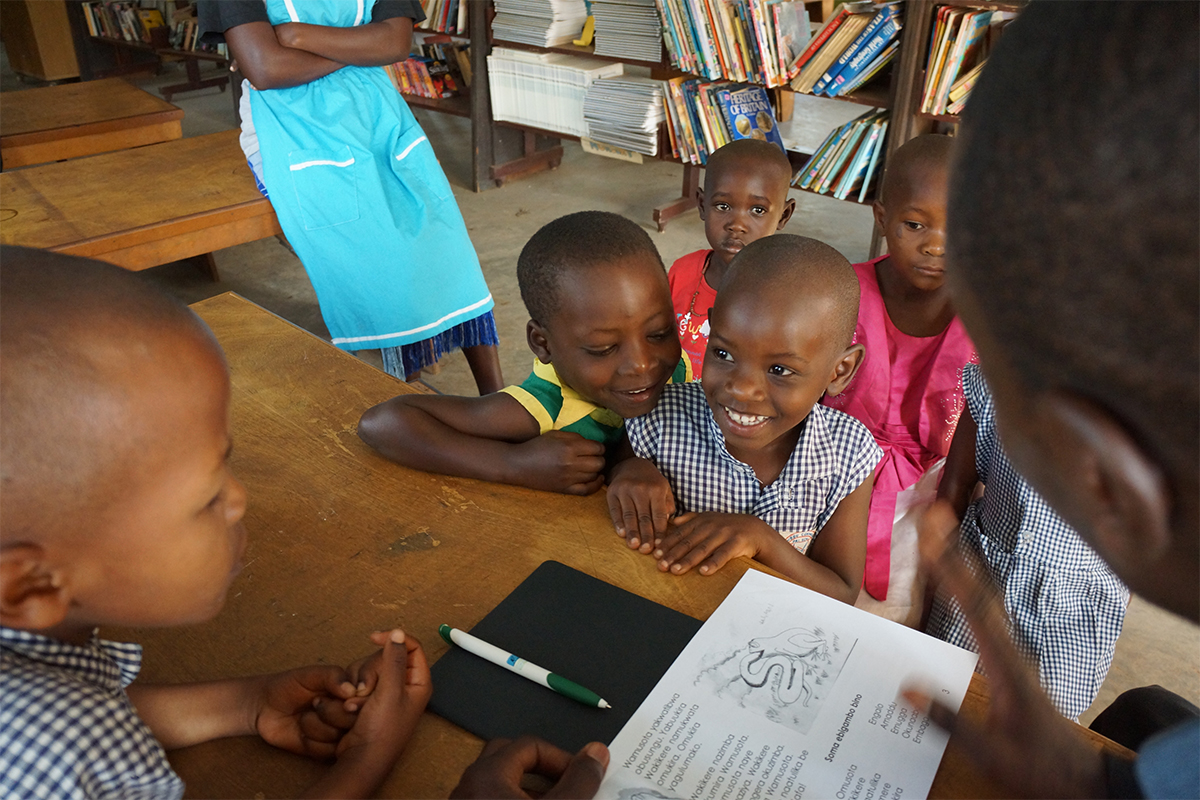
<point>799,267</point>
<point>752,154</point>
<point>913,159</point>
<point>76,337</point>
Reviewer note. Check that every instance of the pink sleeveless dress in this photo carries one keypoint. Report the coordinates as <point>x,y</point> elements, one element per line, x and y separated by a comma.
<point>908,392</point>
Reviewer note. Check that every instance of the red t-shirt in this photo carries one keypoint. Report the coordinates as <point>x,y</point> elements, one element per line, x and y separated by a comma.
<point>692,297</point>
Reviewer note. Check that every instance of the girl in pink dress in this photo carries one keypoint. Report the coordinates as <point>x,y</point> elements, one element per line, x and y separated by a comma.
<point>908,391</point>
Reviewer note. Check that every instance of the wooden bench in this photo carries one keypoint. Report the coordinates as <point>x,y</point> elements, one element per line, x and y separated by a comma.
<point>82,119</point>
<point>139,208</point>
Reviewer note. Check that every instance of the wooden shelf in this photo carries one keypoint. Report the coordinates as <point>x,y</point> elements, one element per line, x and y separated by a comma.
<point>459,105</point>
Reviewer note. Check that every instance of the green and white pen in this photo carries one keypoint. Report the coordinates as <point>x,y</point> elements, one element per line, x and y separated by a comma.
<point>489,652</point>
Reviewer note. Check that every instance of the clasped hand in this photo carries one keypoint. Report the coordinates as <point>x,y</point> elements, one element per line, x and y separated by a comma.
<point>367,710</point>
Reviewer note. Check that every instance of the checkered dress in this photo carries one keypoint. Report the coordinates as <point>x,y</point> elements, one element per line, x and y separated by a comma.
<point>834,455</point>
<point>67,729</point>
<point>1065,606</point>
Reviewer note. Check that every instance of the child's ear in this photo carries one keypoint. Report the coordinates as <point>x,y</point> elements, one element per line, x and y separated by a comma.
<point>539,343</point>
<point>789,208</point>
<point>880,216</point>
<point>700,201</point>
<point>32,593</point>
<point>844,369</point>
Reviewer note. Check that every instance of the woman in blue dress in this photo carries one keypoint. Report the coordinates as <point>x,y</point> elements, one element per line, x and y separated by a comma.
<point>354,182</point>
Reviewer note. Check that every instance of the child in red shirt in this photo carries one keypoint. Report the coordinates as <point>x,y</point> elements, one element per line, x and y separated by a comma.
<point>745,197</point>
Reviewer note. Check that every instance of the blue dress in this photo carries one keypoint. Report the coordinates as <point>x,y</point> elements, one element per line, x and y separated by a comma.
<point>366,207</point>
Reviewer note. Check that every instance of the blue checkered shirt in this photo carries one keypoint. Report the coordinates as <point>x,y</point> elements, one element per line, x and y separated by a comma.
<point>67,729</point>
<point>1065,606</point>
<point>834,455</point>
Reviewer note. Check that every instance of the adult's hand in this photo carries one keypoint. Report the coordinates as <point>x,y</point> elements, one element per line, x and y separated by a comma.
<point>1023,743</point>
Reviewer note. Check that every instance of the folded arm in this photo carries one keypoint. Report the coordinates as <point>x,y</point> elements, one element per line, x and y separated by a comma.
<point>268,64</point>
<point>372,45</point>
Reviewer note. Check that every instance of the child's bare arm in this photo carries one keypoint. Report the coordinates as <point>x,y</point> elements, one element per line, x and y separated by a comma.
<point>960,475</point>
<point>833,565</point>
<point>640,500</point>
<point>302,711</point>
<point>267,64</point>
<point>371,45</point>
<point>492,438</point>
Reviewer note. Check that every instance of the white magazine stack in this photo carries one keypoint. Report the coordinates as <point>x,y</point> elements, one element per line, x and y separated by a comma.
<point>544,90</point>
<point>628,29</point>
<point>625,112</point>
<point>543,23</point>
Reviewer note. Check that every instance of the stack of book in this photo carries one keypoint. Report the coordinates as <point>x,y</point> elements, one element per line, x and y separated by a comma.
<point>854,46</point>
<point>625,112</point>
<point>445,16</point>
<point>628,29</point>
<point>958,48</point>
<point>544,23</point>
<point>544,90</point>
<point>739,40</point>
<point>844,166</point>
<point>707,116</point>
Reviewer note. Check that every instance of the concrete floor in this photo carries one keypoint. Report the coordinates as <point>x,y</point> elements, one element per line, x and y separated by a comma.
<point>1155,647</point>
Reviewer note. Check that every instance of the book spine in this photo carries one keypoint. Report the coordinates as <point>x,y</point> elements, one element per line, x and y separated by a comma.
<point>859,41</point>
<point>866,54</point>
<point>816,164</point>
<point>872,69</point>
<point>879,145</point>
<point>835,21</point>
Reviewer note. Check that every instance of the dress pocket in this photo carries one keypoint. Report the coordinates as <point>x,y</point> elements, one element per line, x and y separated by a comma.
<point>417,168</point>
<point>326,186</point>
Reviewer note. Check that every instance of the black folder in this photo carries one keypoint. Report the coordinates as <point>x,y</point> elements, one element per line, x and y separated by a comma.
<point>606,639</point>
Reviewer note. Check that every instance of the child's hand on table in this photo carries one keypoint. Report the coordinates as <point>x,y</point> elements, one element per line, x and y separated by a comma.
<point>640,502</point>
<point>505,768</point>
<point>559,461</point>
<point>302,711</point>
<point>710,540</point>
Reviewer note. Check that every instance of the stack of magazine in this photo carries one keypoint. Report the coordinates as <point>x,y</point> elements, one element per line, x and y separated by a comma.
<point>625,112</point>
<point>628,29</point>
<point>543,23</point>
<point>544,90</point>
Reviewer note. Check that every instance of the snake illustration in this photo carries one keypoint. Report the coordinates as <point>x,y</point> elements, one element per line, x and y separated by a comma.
<point>789,655</point>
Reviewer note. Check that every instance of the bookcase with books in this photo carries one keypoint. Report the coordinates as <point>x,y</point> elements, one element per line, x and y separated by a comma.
<point>141,35</point>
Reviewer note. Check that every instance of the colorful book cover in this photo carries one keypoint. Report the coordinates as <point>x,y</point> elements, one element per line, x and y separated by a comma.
<point>838,163</point>
<point>750,115</point>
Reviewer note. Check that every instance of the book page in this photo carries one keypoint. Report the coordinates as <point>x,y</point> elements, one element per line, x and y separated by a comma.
<point>787,693</point>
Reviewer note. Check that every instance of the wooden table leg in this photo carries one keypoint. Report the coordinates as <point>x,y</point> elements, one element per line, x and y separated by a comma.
<point>691,184</point>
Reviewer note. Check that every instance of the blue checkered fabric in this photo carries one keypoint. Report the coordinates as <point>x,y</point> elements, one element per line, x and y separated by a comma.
<point>67,729</point>
<point>834,455</point>
<point>1065,606</point>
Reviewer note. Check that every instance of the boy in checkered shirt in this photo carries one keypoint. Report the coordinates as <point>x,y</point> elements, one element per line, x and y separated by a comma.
<point>120,509</point>
<point>751,463</point>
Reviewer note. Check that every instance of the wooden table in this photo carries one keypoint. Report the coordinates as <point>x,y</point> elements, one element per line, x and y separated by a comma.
<point>342,542</point>
<point>139,208</point>
<point>82,119</point>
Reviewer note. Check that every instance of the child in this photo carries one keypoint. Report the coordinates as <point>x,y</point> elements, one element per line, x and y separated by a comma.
<point>1073,236</point>
<point>605,346</point>
<point>757,466</point>
<point>120,509</point>
<point>745,197</point>
<point>354,182</point>
<point>907,392</point>
<point>1065,605</point>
